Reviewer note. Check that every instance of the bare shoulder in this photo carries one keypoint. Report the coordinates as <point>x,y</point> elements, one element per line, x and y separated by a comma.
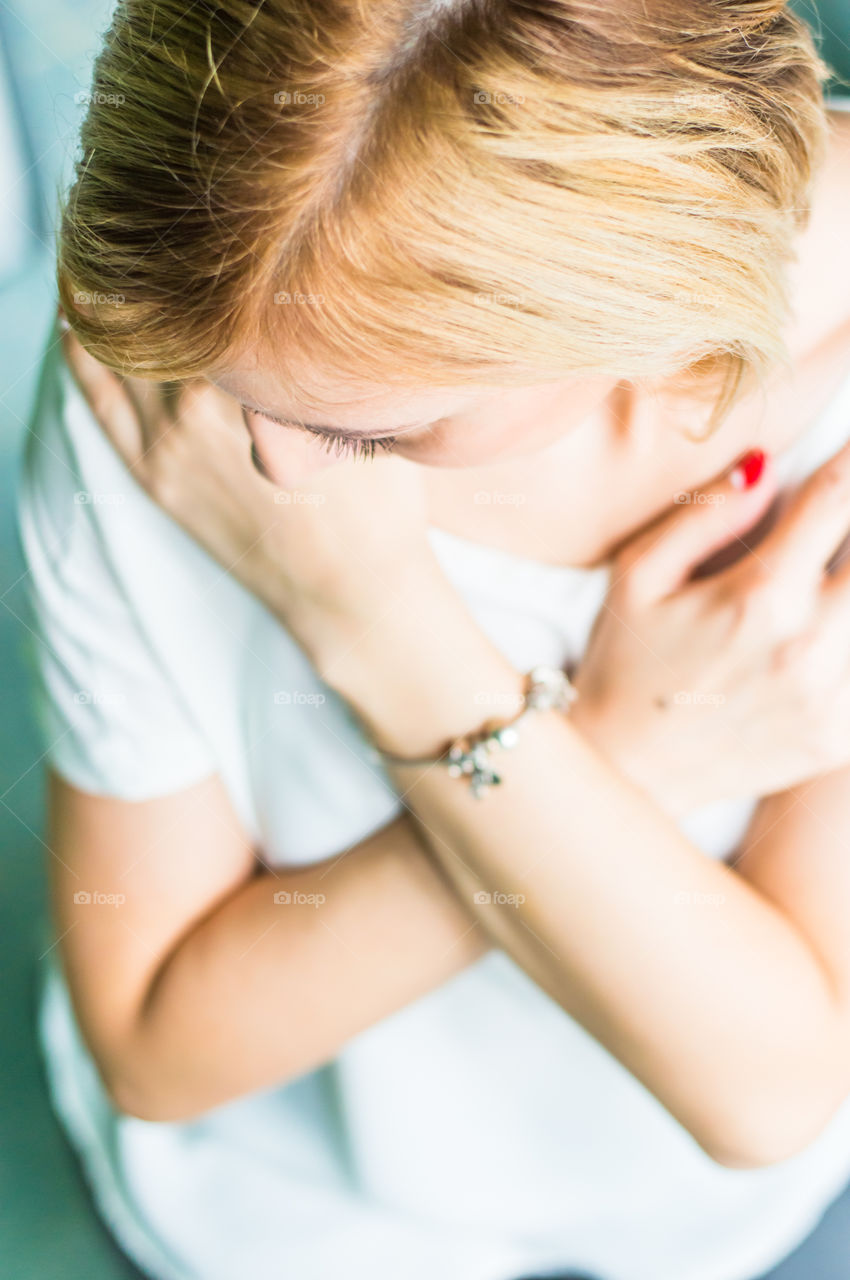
<point>820,277</point>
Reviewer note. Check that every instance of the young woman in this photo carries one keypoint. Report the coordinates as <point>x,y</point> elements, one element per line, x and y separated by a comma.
<point>573,273</point>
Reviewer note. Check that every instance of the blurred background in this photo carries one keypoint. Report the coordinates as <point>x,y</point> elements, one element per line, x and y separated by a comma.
<point>48,1230</point>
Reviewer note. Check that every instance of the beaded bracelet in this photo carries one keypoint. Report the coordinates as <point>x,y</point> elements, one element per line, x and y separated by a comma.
<point>546,688</point>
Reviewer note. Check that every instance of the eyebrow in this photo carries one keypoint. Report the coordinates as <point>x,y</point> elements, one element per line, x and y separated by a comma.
<point>334,433</point>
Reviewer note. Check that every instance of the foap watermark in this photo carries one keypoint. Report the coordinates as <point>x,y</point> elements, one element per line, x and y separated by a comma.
<point>698,698</point>
<point>299,698</point>
<point>299,497</point>
<point>700,299</point>
<point>298,98</point>
<point>497,497</point>
<point>85,98</point>
<point>498,97</point>
<point>698,99</point>
<point>693,898</point>
<point>296,299</point>
<point>83,298</point>
<point>93,898</point>
<point>497,300</point>
<point>697,496</point>
<point>483,898</point>
<point>297,898</point>
<point>86,498</point>
<point>93,698</point>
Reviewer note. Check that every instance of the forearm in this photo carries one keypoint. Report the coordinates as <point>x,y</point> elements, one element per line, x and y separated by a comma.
<point>262,991</point>
<point>795,853</point>
<point>695,981</point>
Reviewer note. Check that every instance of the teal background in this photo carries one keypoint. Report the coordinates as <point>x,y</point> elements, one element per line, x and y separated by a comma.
<point>48,1230</point>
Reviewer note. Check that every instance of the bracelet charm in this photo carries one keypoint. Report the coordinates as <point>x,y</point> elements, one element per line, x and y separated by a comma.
<point>474,761</point>
<point>546,688</point>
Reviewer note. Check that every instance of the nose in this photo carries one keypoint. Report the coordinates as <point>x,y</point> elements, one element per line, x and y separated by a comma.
<point>285,456</point>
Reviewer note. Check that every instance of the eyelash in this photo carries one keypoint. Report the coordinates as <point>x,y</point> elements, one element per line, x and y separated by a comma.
<point>345,446</point>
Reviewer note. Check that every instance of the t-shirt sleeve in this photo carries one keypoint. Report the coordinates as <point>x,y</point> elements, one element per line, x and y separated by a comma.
<point>110,717</point>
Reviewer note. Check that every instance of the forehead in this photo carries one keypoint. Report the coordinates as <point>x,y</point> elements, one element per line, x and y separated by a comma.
<point>344,402</point>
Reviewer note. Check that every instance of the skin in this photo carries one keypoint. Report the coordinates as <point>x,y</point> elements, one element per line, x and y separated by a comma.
<point>611,454</point>
<point>757,1075</point>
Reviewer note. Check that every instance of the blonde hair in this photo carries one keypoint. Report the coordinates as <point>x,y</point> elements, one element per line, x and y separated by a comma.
<point>461,190</point>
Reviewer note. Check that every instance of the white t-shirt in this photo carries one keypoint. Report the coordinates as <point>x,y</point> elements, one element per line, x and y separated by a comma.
<point>478,1134</point>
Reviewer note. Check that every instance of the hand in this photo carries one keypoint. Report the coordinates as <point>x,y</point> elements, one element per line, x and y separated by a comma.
<point>736,683</point>
<point>325,561</point>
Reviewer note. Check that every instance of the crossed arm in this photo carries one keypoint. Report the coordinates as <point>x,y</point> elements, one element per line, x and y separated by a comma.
<point>723,988</point>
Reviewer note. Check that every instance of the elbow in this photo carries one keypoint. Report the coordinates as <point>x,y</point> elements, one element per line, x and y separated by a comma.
<point>743,1157</point>
<point>128,1098</point>
<point>142,1091</point>
<point>127,1083</point>
<point>767,1136</point>
<point>155,1094</point>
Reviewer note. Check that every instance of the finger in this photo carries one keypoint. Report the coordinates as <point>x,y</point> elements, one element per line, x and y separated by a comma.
<point>815,522</point>
<point>107,397</point>
<point>661,559</point>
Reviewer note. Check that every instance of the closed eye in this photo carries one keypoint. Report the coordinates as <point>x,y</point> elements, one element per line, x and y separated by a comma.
<point>341,444</point>
<point>355,446</point>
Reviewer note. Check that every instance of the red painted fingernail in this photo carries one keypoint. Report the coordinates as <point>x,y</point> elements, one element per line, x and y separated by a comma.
<point>749,469</point>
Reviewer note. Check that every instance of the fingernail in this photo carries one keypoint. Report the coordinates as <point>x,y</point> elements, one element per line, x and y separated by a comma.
<point>749,469</point>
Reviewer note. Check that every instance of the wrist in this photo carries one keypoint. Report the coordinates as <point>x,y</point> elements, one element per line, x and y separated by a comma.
<point>332,618</point>
<point>422,672</point>
<point>633,760</point>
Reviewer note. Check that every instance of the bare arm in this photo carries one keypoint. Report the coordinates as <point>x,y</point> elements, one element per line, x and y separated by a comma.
<point>795,854</point>
<point>198,987</point>
<point>705,988</point>
<point>701,985</point>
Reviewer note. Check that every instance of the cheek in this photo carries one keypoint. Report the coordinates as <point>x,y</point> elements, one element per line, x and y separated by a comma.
<point>473,445</point>
<point>288,457</point>
<point>458,446</point>
<point>517,425</point>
